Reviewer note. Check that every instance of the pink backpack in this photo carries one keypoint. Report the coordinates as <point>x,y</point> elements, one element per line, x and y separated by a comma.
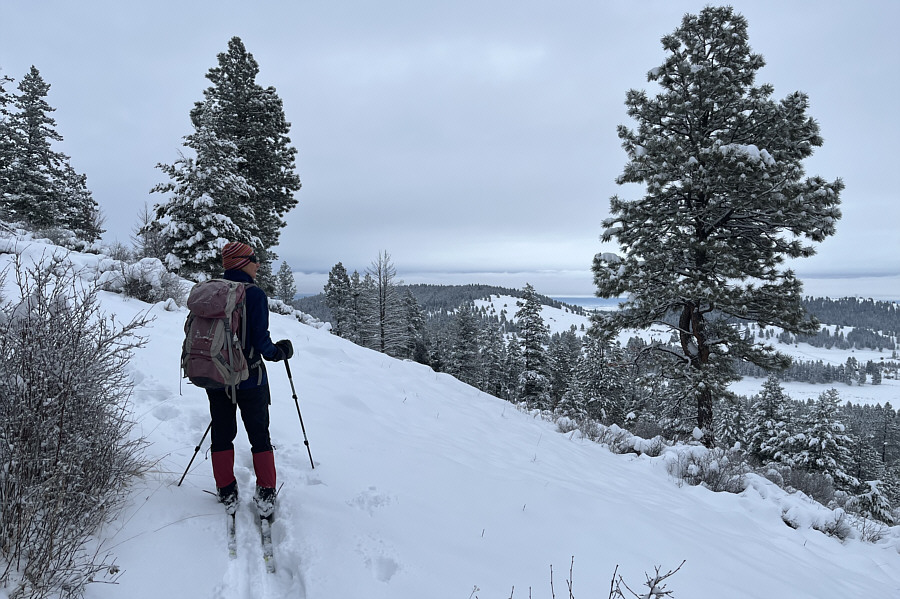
<point>215,331</point>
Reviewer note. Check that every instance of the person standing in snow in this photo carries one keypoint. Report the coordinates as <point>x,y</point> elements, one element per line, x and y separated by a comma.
<point>253,398</point>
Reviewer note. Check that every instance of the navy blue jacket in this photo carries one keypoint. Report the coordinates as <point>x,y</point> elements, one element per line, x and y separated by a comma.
<point>259,343</point>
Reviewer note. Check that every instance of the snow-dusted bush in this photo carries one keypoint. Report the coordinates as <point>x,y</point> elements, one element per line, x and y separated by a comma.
<point>814,484</point>
<point>66,447</point>
<point>279,307</point>
<point>616,439</point>
<point>146,280</point>
<point>66,239</point>
<point>716,469</point>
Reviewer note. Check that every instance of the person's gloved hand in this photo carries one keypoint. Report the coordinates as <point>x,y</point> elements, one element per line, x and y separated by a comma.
<point>287,349</point>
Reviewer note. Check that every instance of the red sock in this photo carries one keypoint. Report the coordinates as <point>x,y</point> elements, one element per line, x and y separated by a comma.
<point>264,465</point>
<point>223,467</point>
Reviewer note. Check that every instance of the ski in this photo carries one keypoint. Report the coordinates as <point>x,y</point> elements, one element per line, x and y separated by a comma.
<point>232,535</point>
<point>265,532</point>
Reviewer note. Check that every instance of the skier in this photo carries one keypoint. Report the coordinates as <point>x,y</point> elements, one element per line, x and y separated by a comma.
<point>252,395</point>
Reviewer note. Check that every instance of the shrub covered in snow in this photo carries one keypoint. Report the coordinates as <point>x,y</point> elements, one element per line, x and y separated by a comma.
<point>146,280</point>
<point>66,449</point>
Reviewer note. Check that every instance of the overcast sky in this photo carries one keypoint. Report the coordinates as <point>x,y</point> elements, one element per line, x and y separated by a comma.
<point>474,141</point>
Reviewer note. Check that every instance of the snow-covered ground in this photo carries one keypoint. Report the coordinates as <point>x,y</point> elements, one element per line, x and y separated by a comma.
<point>424,487</point>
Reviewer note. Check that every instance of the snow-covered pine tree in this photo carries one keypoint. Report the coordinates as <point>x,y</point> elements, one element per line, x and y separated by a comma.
<point>726,203</point>
<point>733,422</point>
<point>563,353</point>
<point>339,301</point>
<point>208,203</point>
<point>40,186</point>
<point>79,212</point>
<point>769,439</point>
<point>367,312</point>
<point>357,310</point>
<point>7,143</point>
<point>464,362</point>
<point>873,503</point>
<point>493,354</point>
<point>513,369</point>
<point>31,194</point>
<point>825,443</point>
<point>414,320</point>
<point>285,287</point>
<point>252,118</point>
<point>534,333</point>
<point>600,375</point>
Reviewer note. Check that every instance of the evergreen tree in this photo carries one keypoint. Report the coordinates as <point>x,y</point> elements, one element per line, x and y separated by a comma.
<point>285,288</point>
<point>826,445</point>
<point>355,328</point>
<point>873,503</point>
<point>368,313</point>
<point>464,362</point>
<point>535,384</point>
<point>513,371</point>
<point>31,194</point>
<point>733,424</point>
<point>563,353</point>
<point>40,186</point>
<point>770,440</point>
<point>252,118</point>
<point>725,205</point>
<point>600,377</point>
<point>207,207</point>
<point>339,300</point>
<point>252,189</point>
<point>493,356</point>
<point>414,319</point>
<point>7,143</point>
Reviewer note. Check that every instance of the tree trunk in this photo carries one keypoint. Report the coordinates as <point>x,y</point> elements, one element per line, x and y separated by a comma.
<point>691,325</point>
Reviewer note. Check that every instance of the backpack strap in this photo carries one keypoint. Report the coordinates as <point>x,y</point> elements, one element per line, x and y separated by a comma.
<point>251,363</point>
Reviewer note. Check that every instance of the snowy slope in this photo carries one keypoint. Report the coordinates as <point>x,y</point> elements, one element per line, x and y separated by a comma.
<point>427,488</point>
<point>558,321</point>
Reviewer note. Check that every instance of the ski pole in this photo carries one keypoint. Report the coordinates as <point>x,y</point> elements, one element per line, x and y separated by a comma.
<point>297,403</point>
<point>196,451</point>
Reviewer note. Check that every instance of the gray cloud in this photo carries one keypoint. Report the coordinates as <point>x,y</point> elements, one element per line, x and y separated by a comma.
<point>469,138</point>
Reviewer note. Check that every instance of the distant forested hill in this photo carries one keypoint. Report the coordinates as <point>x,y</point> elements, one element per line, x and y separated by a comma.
<point>856,312</point>
<point>434,298</point>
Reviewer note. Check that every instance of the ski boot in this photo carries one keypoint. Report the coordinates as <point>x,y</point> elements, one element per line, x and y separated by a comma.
<point>265,502</point>
<point>228,496</point>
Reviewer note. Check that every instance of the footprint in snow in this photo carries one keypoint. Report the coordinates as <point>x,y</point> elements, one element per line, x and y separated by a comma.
<point>370,500</point>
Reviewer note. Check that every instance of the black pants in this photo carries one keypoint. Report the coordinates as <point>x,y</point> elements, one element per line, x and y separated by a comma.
<point>254,405</point>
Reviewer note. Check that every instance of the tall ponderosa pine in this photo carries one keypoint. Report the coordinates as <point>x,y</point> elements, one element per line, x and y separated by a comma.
<point>242,115</point>
<point>39,185</point>
<point>726,203</point>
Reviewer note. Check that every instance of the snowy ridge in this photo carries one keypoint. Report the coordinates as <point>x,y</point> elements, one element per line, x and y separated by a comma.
<point>425,487</point>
